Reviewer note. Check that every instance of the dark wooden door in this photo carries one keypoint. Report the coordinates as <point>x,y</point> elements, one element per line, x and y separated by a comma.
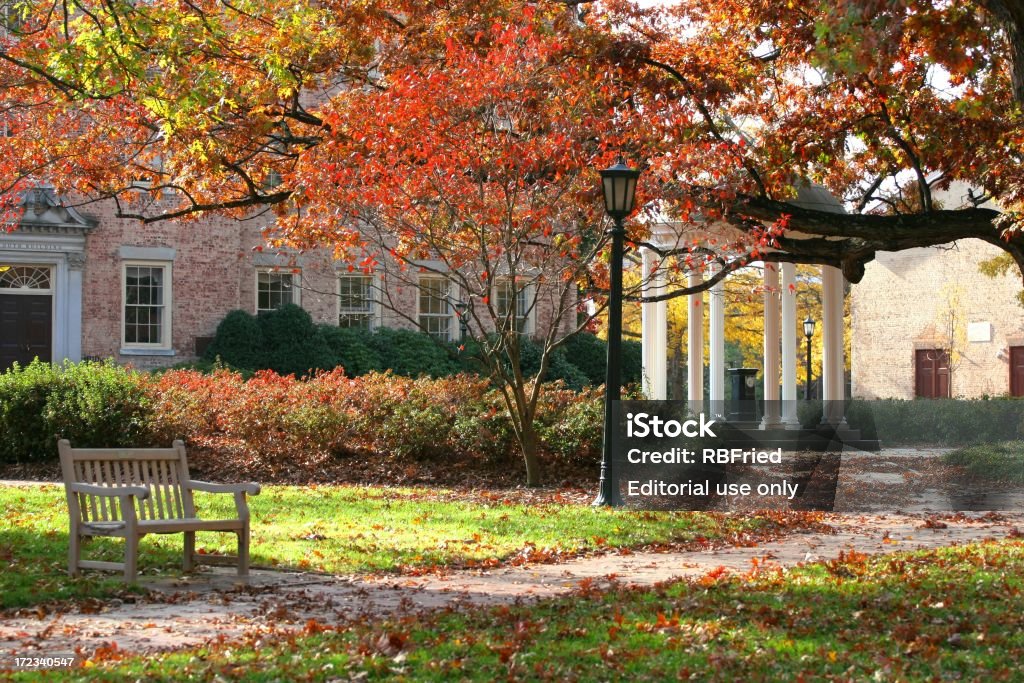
<point>1017,370</point>
<point>26,328</point>
<point>931,373</point>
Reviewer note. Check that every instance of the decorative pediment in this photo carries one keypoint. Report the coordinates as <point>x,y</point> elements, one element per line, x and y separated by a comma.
<point>44,213</point>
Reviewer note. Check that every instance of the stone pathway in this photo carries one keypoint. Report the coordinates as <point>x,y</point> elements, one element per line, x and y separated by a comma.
<point>182,613</point>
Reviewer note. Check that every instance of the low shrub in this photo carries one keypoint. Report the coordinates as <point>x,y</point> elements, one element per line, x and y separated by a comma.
<point>411,353</point>
<point>942,422</point>
<point>353,348</point>
<point>278,427</point>
<point>272,424</point>
<point>238,342</point>
<point>572,423</point>
<point>936,422</point>
<point>1003,461</point>
<point>91,404</point>
<point>24,434</point>
<point>292,344</point>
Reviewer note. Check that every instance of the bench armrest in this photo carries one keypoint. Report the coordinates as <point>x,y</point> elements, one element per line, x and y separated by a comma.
<point>205,486</point>
<point>240,490</point>
<point>140,492</point>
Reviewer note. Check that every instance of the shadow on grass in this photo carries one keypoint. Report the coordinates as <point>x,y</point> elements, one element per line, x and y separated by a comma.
<point>944,614</point>
<point>36,566</point>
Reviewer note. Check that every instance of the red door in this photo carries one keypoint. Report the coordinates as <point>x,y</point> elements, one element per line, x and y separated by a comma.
<point>26,328</point>
<point>1017,370</point>
<point>931,373</point>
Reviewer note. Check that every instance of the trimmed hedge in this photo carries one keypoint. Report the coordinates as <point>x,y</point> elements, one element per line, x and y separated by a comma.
<point>279,426</point>
<point>273,424</point>
<point>92,404</point>
<point>935,422</point>
<point>287,341</point>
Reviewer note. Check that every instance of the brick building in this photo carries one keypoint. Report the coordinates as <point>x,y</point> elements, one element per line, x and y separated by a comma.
<point>929,323</point>
<point>82,283</point>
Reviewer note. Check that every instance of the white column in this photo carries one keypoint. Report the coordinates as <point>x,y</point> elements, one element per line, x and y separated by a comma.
<point>654,331</point>
<point>772,417</point>
<point>832,372</point>
<point>73,311</point>
<point>716,385</point>
<point>695,346</point>
<point>788,294</point>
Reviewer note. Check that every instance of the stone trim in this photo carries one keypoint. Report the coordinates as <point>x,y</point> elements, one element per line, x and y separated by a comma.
<point>264,260</point>
<point>146,352</point>
<point>147,253</point>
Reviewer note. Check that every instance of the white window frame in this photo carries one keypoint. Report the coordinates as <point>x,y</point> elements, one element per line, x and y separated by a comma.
<point>527,292</point>
<point>167,304</point>
<point>4,267</point>
<point>296,287</point>
<point>449,315</point>
<point>374,308</point>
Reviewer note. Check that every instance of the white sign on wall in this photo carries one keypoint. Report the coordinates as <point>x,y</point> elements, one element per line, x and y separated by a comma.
<point>979,332</point>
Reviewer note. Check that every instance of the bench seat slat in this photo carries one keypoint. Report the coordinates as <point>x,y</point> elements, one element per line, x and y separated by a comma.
<point>163,526</point>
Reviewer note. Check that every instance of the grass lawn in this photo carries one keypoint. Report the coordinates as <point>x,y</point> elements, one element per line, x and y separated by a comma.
<point>339,530</point>
<point>1002,461</point>
<point>949,614</point>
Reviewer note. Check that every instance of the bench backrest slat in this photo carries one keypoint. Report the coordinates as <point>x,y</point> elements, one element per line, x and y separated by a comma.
<point>163,471</point>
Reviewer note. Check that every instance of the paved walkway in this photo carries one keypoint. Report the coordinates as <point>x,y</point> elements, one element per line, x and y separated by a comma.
<point>182,613</point>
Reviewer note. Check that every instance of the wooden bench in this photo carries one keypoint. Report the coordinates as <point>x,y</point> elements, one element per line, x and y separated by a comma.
<point>129,493</point>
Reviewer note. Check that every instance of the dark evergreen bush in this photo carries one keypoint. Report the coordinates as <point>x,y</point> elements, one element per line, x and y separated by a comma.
<point>239,342</point>
<point>287,341</point>
<point>293,344</point>
<point>354,349</point>
<point>412,354</point>
<point>589,354</point>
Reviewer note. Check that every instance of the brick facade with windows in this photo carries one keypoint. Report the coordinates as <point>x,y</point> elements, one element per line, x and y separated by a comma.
<point>916,305</point>
<point>928,323</point>
<point>152,295</point>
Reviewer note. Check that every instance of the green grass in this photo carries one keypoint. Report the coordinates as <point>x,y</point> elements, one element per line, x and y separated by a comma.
<point>950,614</point>
<point>1003,461</point>
<point>337,530</point>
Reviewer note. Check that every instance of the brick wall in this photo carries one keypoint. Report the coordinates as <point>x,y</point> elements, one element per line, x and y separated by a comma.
<point>213,272</point>
<point>905,302</point>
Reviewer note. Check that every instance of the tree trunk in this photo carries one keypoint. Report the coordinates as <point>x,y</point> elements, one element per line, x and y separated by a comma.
<point>529,443</point>
<point>1010,13</point>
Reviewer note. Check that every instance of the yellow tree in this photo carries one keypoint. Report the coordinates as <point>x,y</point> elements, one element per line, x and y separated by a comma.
<point>744,323</point>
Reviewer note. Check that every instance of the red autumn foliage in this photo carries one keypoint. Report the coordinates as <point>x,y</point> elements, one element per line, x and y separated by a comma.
<point>285,428</point>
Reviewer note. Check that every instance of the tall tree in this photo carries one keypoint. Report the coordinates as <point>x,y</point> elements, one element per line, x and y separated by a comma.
<point>469,132</point>
<point>469,166</point>
<point>451,149</point>
<point>748,101</point>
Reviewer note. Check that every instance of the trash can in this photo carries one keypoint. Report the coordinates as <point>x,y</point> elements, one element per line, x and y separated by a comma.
<point>743,406</point>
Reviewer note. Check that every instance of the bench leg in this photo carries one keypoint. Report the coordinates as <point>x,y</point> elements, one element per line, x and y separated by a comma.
<point>243,551</point>
<point>131,557</point>
<point>190,551</point>
<point>74,552</point>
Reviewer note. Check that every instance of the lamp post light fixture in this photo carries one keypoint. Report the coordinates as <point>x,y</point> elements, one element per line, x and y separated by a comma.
<point>461,307</point>
<point>618,183</point>
<point>808,333</point>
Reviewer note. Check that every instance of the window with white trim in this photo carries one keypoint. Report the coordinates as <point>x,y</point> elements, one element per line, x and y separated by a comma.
<point>506,294</point>
<point>276,288</point>
<point>147,305</point>
<point>25,278</point>
<point>355,301</point>
<point>435,309</point>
